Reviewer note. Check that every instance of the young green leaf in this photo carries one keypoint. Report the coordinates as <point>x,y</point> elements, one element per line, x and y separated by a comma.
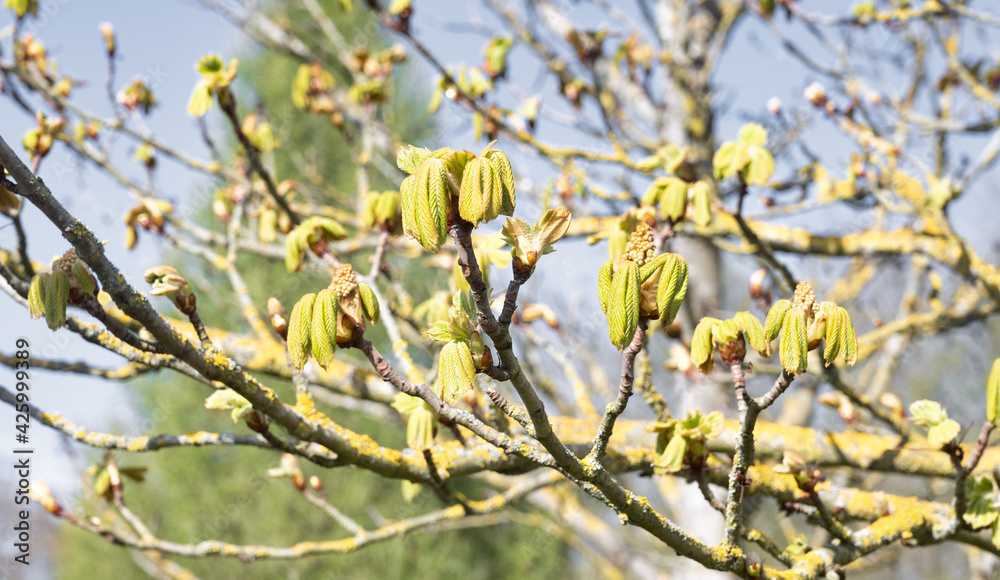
<point>672,288</point>
<point>623,303</point>
<point>702,345</point>
<point>369,303</point>
<point>794,349</point>
<point>992,393</point>
<point>324,320</point>
<point>299,323</point>
<point>604,285</point>
<point>456,369</point>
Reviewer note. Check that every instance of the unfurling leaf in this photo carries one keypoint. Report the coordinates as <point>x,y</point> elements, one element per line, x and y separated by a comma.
<point>701,197</point>
<point>502,169</point>
<point>604,285</point>
<point>671,288</point>
<point>227,399</point>
<point>36,305</point>
<point>456,370</point>
<point>369,303</point>
<point>753,134</point>
<point>409,158</point>
<point>420,428</point>
<point>944,432</point>
<point>930,414</point>
<point>55,294</point>
<point>623,304</point>
<point>752,330</point>
<point>794,349</point>
<point>84,278</point>
<point>311,234</point>
<point>323,327</point>
<point>201,100</point>
<point>476,194</point>
<point>431,201</point>
<point>981,510</point>
<point>672,458</point>
<point>992,394</point>
<point>702,345</point>
<point>775,318</point>
<point>299,326</point>
<point>840,336</point>
<point>726,332</point>
<point>927,413</point>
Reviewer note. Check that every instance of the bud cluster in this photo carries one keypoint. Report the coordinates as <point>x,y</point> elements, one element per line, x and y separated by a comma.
<point>804,323</point>
<point>335,316</point>
<point>630,290</point>
<point>480,187</point>
<point>464,353</point>
<point>68,282</point>
<point>314,234</point>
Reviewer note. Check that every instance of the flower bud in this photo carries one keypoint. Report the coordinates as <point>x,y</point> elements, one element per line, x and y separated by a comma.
<point>40,492</point>
<point>256,420</point>
<point>108,32</point>
<point>774,105</point>
<point>167,282</point>
<point>816,95</point>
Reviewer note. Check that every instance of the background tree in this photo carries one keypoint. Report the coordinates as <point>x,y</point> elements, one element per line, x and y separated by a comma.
<point>851,212</point>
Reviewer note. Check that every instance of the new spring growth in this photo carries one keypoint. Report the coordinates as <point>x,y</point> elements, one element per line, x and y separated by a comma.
<point>311,88</point>
<point>421,426</point>
<point>270,218</point>
<point>730,337</point>
<point>981,507</point>
<point>278,316</point>
<point>805,477</point>
<point>641,285</point>
<point>167,282</point>
<point>803,324</point>
<point>464,353</point>
<point>993,394</point>
<point>137,96</point>
<point>746,156</point>
<point>478,187</point>
<point>108,32</point>
<point>530,241</point>
<point>335,316</point>
<point>289,467</point>
<point>671,195</point>
<point>40,492</point>
<point>107,476</point>
<point>215,80</point>
<point>38,141</point>
<point>149,214</point>
<point>931,415</point>
<point>681,442</point>
<point>314,234</point>
<point>226,399</point>
<point>68,282</point>
<point>382,210</point>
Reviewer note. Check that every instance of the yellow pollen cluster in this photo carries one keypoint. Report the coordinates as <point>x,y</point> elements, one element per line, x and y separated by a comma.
<point>640,247</point>
<point>65,262</point>
<point>804,297</point>
<point>345,281</point>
